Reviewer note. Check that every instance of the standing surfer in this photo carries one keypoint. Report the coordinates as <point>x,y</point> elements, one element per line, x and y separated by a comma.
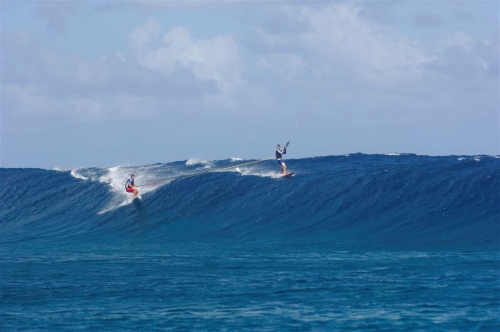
<point>130,187</point>
<point>279,154</point>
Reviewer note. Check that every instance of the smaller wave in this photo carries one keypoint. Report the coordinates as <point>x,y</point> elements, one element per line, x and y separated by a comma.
<point>155,166</point>
<point>193,161</point>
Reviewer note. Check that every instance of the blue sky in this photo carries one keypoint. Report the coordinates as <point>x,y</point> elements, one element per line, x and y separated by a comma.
<point>107,83</point>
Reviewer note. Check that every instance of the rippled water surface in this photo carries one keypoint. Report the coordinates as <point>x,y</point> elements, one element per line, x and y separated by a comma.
<point>202,287</point>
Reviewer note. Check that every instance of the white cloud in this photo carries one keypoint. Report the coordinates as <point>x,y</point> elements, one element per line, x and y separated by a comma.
<point>31,101</point>
<point>87,108</point>
<point>484,64</point>
<point>463,40</point>
<point>212,59</point>
<point>120,56</point>
<point>28,100</point>
<point>339,35</point>
<point>284,64</point>
<point>143,35</point>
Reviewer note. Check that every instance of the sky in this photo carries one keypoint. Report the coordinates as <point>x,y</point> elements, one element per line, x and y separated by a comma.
<point>109,83</point>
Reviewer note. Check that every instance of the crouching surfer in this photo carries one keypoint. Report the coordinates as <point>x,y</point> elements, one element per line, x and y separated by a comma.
<point>279,155</point>
<point>130,187</point>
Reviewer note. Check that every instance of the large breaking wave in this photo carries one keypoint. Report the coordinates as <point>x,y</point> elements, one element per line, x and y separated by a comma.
<point>394,201</point>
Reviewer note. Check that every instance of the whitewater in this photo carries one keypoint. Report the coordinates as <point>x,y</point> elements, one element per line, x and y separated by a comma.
<point>390,242</point>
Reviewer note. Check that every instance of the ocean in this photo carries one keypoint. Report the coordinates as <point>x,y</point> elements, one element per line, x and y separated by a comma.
<point>393,242</point>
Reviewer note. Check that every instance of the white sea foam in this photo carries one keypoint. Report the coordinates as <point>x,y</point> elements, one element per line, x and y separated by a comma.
<point>234,159</point>
<point>75,174</point>
<point>249,171</point>
<point>193,161</point>
<point>116,177</point>
<point>462,158</point>
<point>392,154</point>
<point>87,173</point>
<point>57,169</point>
<point>477,158</point>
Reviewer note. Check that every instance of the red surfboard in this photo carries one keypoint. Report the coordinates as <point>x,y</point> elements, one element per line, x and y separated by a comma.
<point>288,175</point>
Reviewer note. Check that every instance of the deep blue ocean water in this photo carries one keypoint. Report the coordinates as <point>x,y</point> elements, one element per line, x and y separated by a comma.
<point>355,242</point>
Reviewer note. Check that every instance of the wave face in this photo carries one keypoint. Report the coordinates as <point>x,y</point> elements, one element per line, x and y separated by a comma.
<point>351,202</point>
